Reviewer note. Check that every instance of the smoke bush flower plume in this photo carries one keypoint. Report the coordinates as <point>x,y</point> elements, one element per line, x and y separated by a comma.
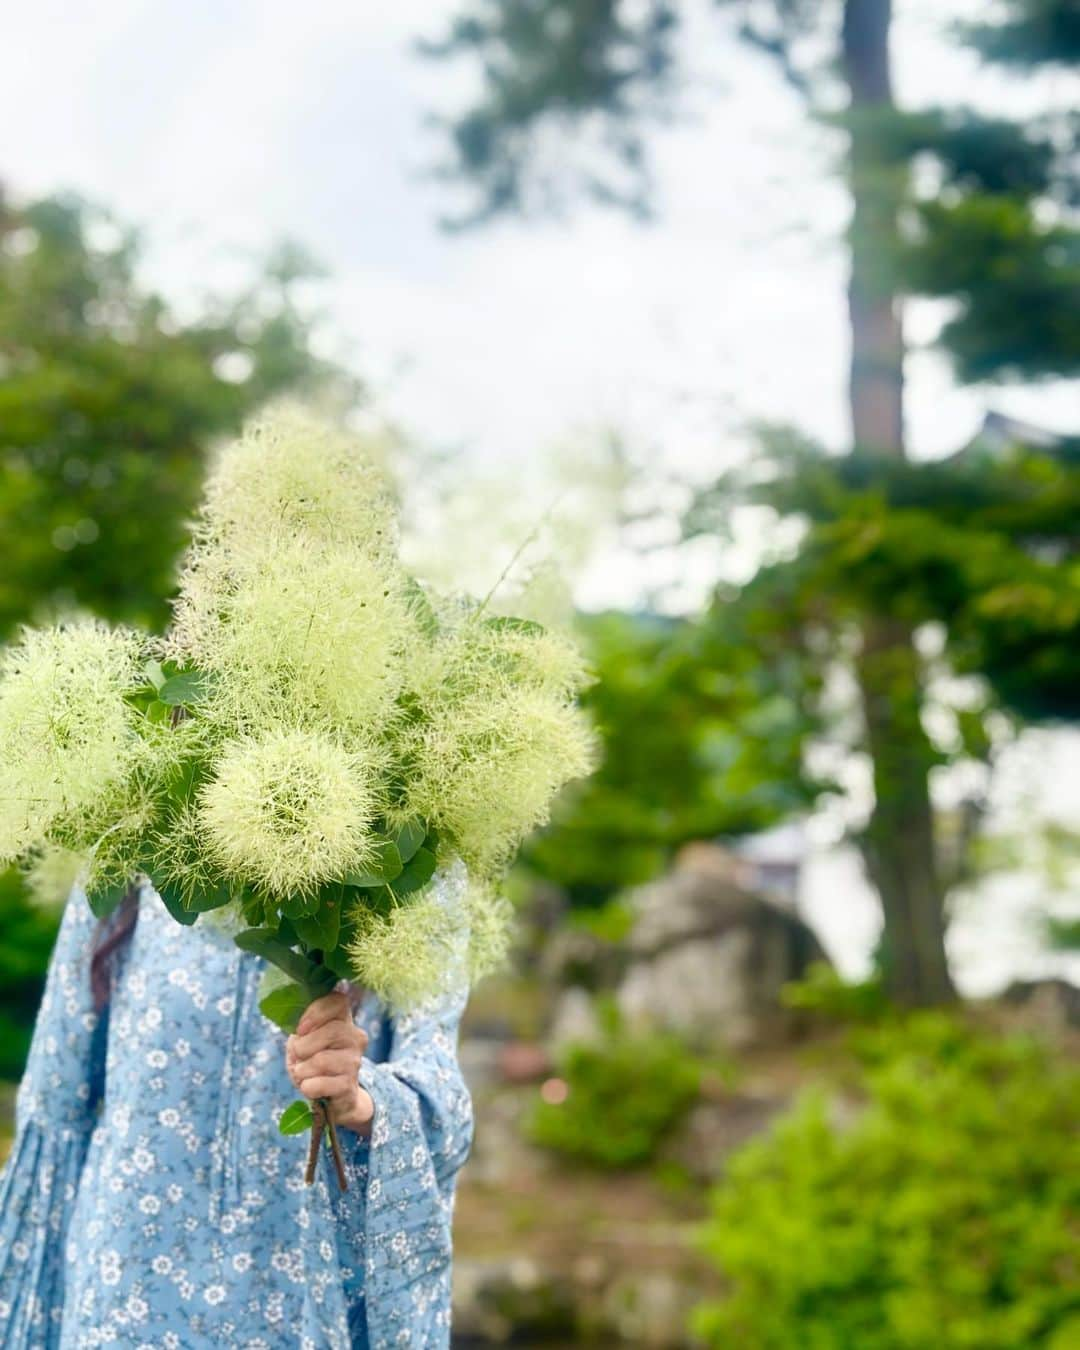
<point>68,736</point>
<point>313,739</point>
<point>293,473</point>
<point>290,811</point>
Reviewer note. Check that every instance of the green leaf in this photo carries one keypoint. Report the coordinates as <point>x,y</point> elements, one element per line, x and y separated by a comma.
<point>380,900</point>
<point>417,875</point>
<point>154,673</point>
<point>384,867</point>
<point>286,932</point>
<point>158,712</point>
<point>141,699</point>
<point>297,906</point>
<point>146,857</point>
<point>253,908</point>
<point>264,942</point>
<point>509,624</point>
<point>105,899</point>
<point>173,900</point>
<point>338,960</point>
<point>185,689</point>
<point>296,1118</point>
<point>320,930</point>
<point>205,901</point>
<point>410,837</point>
<point>285,1005</point>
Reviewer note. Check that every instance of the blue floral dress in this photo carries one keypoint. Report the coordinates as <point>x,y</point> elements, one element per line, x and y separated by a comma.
<point>149,1201</point>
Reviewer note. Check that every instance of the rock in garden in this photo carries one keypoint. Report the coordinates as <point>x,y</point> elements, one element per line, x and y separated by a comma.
<point>708,958</point>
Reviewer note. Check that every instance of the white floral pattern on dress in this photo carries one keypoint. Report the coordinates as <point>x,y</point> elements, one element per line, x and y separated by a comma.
<point>149,1200</point>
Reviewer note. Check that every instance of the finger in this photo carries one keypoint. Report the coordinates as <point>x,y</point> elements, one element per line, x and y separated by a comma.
<point>331,1062</point>
<point>329,1008</point>
<point>325,1037</point>
<point>295,1072</point>
<point>327,1086</point>
<point>350,1052</point>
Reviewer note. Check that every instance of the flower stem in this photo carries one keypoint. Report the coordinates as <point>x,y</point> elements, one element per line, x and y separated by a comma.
<point>318,1117</point>
<point>335,1147</point>
<point>324,1121</point>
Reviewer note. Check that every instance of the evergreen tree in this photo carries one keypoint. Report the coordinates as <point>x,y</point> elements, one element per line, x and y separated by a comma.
<point>994,235</point>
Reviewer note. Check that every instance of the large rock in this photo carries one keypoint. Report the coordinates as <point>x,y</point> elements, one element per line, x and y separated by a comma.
<point>715,1129</point>
<point>572,956</point>
<point>497,1302</point>
<point>708,958</point>
<point>650,1309</point>
<point>1051,1006</point>
<point>573,1020</point>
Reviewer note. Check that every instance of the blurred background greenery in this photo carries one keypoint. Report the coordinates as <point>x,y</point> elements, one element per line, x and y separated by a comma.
<point>709,1114</point>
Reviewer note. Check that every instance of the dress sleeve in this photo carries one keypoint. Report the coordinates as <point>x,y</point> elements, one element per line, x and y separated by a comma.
<point>55,1112</point>
<point>420,1136</point>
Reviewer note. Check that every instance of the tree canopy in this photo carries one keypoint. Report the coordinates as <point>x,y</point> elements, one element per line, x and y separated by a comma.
<point>108,402</point>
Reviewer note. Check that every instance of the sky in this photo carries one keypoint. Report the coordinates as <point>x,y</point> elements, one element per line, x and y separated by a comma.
<point>220,127</point>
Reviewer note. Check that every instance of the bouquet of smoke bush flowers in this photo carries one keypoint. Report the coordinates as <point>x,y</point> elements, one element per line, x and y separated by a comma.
<point>312,737</point>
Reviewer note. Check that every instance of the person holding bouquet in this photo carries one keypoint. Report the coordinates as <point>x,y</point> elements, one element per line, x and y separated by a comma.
<point>286,820</point>
<point>150,1200</point>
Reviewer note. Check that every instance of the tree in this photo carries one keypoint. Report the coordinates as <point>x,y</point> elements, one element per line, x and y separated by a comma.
<point>108,403</point>
<point>993,238</point>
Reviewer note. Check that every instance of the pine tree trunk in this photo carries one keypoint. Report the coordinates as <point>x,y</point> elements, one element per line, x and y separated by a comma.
<point>899,842</point>
<point>899,845</point>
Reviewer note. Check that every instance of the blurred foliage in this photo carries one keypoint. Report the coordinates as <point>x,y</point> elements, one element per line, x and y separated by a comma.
<point>1030,33</point>
<point>983,547</point>
<point>985,544</point>
<point>943,1215</point>
<point>1013,278</point>
<point>626,1092</point>
<point>612,922</point>
<point>1063,934</point>
<point>583,60</point>
<point>703,724</point>
<point>27,934</point>
<point>825,992</point>
<point>1050,850</point>
<point>982,219</point>
<point>108,401</point>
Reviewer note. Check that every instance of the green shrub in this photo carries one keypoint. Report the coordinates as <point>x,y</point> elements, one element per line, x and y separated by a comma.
<point>945,1216</point>
<point>825,992</point>
<point>1063,934</point>
<point>625,1093</point>
<point>610,922</point>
